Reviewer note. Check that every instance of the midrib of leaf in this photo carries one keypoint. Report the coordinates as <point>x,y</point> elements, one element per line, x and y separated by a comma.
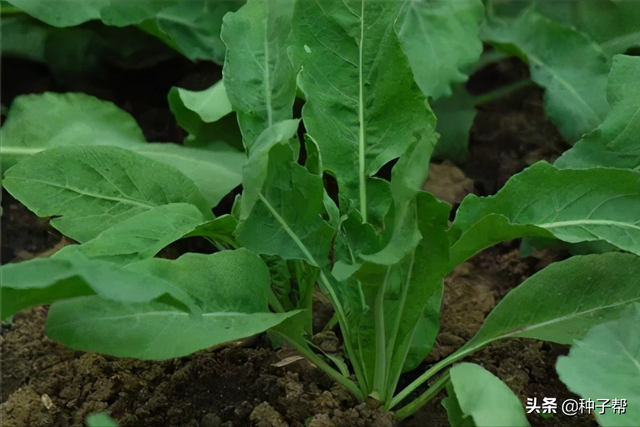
<point>564,83</point>
<point>173,314</point>
<point>361,138</point>
<point>87,193</point>
<point>622,40</point>
<point>624,130</point>
<point>589,222</point>
<point>20,150</point>
<point>267,82</point>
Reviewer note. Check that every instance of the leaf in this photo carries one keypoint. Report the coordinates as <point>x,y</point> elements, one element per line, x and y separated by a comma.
<point>194,26</point>
<point>612,24</point>
<point>38,122</point>
<point>100,420</point>
<point>143,235</point>
<point>440,39</point>
<point>455,118</point>
<point>575,89</point>
<point>208,105</point>
<point>61,13</point>
<point>606,364</point>
<point>284,217</point>
<point>41,121</point>
<point>570,205</point>
<point>563,301</point>
<point>70,274</point>
<point>615,142</point>
<point>124,12</point>
<point>258,73</point>
<point>483,398</point>
<point>90,189</point>
<point>230,287</point>
<point>363,107</point>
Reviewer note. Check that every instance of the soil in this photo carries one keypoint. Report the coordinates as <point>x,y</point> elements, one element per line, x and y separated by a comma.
<point>45,384</point>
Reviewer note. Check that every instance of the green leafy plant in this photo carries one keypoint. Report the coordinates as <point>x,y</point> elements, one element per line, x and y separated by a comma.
<point>379,247</point>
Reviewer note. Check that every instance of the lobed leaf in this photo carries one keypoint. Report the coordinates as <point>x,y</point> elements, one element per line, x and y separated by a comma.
<point>258,73</point>
<point>90,189</point>
<point>570,205</point>
<point>440,39</point>
<point>565,62</point>
<point>615,142</point>
<point>479,398</point>
<point>606,363</point>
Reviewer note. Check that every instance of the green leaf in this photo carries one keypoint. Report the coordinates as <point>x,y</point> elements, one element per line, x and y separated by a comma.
<point>483,398</point>
<point>363,107</point>
<point>62,13</point>
<point>70,274</point>
<point>606,364</point>
<point>39,122</point>
<point>100,420</point>
<point>194,26</point>
<point>615,142</point>
<point>124,12</point>
<point>612,24</point>
<point>440,39</point>
<point>282,204</point>
<point>258,73</point>
<point>143,235</point>
<point>90,189</point>
<point>230,287</point>
<point>578,294</point>
<point>455,118</point>
<point>570,205</point>
<point>575,89</point>
<point>208,105</point>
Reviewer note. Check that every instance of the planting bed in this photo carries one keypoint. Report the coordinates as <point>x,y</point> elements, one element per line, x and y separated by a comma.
<point>252,384</point>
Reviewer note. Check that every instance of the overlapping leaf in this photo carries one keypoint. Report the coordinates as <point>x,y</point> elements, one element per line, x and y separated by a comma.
<point>363,107</point>
<point>230,289</point>
<point>258,73</point>
<point>39,122</point>
<point>571,67</point>
<point>440,39</point>
<point>570,205</point>
<point>615,143</point>
<point>90,189</point>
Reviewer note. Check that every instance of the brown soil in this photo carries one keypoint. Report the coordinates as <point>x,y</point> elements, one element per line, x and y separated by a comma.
<point>45,384</point>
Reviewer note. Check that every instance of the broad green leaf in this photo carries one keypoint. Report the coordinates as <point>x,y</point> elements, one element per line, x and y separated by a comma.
<point>363,107</point>
<point>230,287</point>
<point>194,26</point>
<point>563,301</point>
<point>570,205</point>
<point>606,364</point>
<point>258,73</point>
<point>615,143</point>
<point>571,67</point>
<point>222,226</point>
<point>440,39</point>
<point>39,122</point>
<point>455,118</point>
<point>215,170</point>
<point>143,235</point>
<point>100,420</point>
<point>90,189</point>
<point>66,13</point>
<point>61,13</point>
<point>285,218</point>
<point>24,37</point>
<point>483,398</point>
<point>69,274</point>
<point>612,24</point>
